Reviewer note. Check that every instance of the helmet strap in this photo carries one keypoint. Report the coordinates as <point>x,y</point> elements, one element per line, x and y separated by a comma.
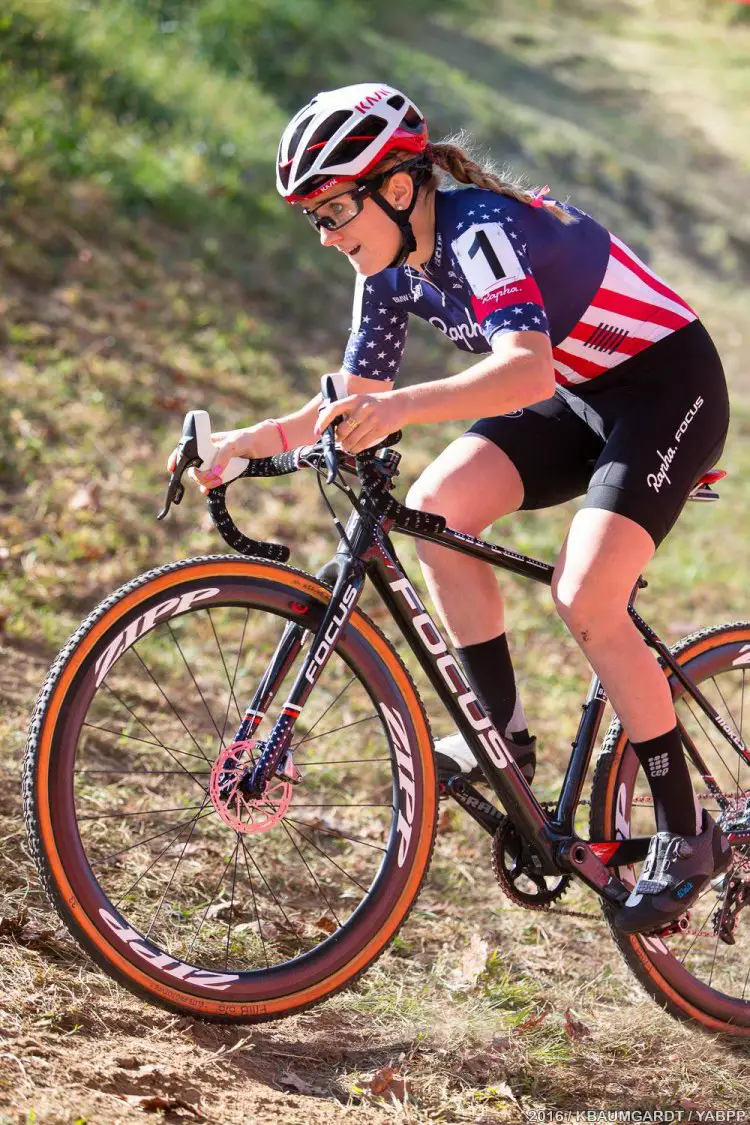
<point>419,170</point>
<point>402,220</point>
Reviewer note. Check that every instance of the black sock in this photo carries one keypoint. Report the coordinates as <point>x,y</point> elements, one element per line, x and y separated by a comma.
<point>489,670</point>
<point>666,769</point>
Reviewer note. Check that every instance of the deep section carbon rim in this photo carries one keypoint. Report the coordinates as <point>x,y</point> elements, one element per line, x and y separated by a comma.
<point>703,973</point>
<point>198,887</point>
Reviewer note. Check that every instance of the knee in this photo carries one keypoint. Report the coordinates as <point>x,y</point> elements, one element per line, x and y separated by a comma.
<point>587,607</point>
<point>440,498</point>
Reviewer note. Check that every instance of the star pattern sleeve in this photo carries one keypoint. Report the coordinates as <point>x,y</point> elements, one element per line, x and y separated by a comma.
<point>377,336</point>
<point>492,256</point>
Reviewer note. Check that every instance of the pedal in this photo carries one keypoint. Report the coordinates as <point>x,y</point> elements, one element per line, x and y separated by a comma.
<point>679,925</point>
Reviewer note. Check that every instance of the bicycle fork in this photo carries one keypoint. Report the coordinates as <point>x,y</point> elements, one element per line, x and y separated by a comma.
<point>275,757</point>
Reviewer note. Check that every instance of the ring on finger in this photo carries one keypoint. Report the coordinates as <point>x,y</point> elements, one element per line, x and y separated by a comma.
<point>353,423</point>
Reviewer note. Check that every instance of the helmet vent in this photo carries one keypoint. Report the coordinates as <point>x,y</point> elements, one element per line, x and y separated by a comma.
<point>365,132</point>
<point>297,135</point>
<point>396,101</point>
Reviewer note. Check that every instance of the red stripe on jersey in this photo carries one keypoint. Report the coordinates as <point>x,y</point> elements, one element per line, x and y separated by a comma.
<point>638,310</point>
<point>586,367</point>
<point>654,282</point>
<point>562,379</point>
<point>524,292</point>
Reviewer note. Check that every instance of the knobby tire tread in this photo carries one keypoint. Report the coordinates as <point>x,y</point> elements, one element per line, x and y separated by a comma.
<point>30,814</point>
<point>607,761</point>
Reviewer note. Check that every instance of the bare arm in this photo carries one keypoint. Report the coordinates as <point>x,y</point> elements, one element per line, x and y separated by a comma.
<point>518,373</point>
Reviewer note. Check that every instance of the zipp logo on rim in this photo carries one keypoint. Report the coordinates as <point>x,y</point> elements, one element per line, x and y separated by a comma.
<point>405,762</point>
<point>177,969</point>
<point>169,608</point>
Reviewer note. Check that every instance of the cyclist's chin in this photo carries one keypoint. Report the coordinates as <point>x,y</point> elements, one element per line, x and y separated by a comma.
<point>367,262</point>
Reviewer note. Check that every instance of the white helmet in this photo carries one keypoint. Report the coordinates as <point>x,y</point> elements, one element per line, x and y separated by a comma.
<point>342,134</point>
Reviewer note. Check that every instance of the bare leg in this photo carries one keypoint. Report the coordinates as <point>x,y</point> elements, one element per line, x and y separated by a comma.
<point>472,483</point>
<point>602,557</point>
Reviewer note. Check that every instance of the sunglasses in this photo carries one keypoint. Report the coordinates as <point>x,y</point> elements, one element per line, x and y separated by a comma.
<point>341,209</point>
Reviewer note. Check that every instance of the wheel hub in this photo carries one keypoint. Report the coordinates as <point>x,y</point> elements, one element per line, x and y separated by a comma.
<point>239,810</point>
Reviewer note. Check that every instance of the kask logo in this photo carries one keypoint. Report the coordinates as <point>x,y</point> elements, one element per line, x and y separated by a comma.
<point>372,99</point>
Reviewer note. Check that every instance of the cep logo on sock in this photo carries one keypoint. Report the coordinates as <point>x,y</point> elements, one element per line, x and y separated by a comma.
<point>684,889</point>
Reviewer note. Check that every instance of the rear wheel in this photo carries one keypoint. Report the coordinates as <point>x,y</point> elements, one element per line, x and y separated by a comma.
<point>702,974</point>
<point>240,911</point>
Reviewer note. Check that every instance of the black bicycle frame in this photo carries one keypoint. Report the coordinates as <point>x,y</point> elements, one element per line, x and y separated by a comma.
<point>366,551</point>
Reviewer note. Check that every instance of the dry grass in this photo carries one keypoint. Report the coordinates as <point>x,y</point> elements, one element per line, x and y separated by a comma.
<point>111,328</point>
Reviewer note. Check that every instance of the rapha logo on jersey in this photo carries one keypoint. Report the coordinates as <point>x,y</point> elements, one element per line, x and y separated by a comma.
<point>743,658</point>
<point>177,969</point>
<point>661,476</point>
<point>453,675</point>
<point>405,763</point>
<point>169,608</point>
<point>331,634</point>
<point>466,331</point>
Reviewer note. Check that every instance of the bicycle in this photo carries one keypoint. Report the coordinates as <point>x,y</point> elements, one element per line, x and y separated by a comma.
<point>292,841</point>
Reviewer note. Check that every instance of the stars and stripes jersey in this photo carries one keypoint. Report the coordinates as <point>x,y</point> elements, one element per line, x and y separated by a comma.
<point>503,266</point>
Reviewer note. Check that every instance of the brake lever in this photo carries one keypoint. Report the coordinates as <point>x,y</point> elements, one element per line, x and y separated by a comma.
<point>192,450</point>
<point>175,488</point>
<point>332,388</point>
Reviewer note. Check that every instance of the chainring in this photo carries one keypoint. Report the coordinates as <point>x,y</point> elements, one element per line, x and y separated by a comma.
<point>516,876</point>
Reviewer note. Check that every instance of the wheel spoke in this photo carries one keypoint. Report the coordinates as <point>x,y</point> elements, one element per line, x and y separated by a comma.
<point>231,697</point>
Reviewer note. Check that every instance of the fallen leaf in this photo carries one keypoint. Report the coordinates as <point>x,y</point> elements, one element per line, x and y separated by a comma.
<point>222,911</point>
<point>574,1027</point>
<point>533,1020</point>
<point>14,926</point>
<point>503,1090</point>
<point>446,822</point>
<point>471,965</point>
<point>155,1103</point>
<point>88,496</point>
<point>326,924</point>
<point>385,1082</point>
<point>294,1082</point>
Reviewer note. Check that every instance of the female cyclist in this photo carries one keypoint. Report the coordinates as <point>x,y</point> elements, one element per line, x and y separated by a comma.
<point>597,380</point>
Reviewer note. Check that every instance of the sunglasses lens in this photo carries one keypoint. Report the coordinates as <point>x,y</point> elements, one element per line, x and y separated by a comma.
<point>336,212</point>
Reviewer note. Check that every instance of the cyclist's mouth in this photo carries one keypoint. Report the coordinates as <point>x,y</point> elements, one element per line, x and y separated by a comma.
<point>354,251</point>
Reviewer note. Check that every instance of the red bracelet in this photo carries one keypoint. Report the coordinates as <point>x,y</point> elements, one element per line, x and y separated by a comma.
<point>282,432</point>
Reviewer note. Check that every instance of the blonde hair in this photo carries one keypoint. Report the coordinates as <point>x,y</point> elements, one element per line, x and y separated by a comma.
<point>453,157</point>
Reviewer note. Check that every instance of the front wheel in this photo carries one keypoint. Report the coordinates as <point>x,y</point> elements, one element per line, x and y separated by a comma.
<point>240,910</point>
<point>703,974</point>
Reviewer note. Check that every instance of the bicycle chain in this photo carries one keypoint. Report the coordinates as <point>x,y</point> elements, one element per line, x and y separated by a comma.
<point>546,907</point>
<point>510,891</point>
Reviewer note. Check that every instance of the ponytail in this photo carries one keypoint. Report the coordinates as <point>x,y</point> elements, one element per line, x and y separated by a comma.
<point>451,158</point>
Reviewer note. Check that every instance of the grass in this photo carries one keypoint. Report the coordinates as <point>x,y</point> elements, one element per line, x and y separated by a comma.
<point>146,267</point>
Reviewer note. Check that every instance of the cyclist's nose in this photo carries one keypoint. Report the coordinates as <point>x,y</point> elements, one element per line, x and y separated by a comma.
<point>329,237</point>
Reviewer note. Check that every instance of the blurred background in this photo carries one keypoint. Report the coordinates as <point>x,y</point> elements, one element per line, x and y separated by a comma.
<point>148,267</point>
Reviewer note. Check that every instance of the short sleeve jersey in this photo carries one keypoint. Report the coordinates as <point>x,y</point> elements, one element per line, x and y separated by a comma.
<point>500,266</point>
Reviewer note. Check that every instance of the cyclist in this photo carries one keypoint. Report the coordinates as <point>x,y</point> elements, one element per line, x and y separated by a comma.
<point>589,377</point>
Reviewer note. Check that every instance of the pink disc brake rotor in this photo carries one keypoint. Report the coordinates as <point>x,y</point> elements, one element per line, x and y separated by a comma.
<point>241,812</point>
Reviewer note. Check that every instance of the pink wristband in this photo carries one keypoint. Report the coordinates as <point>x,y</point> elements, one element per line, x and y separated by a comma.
<point>282,432</point>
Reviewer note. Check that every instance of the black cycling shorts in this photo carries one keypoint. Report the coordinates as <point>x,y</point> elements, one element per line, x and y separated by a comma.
<point>635,440</point>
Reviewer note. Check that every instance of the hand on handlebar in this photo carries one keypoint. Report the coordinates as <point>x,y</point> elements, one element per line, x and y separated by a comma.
<point>368,419</point>
<point>253,441</point>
